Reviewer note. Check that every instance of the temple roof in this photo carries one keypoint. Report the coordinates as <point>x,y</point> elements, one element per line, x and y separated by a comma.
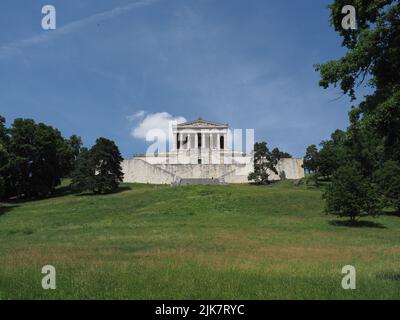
<point>201,123</point>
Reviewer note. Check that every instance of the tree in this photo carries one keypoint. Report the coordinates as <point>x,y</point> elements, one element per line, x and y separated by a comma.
<point>38,158</point>
<point>373,138</point>
<point>350,194</point>
<point>75,143</point>
<point>3,155</point>
<point>3,163</point>
<point>22,157</point>
<point>2,188</point>
<point>98,169</point>
<point>278,154</point>
<point>332,154</point>
<point>3,130</point>
<point>363,145</point>
<point>264,163</point>
<point>83,174</point>
<point>310,160</point>
<point>373,52</point>
<point>107,161</point>
<point>388,180</point>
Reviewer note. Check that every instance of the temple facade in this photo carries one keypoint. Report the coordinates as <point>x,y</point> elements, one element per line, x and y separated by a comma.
<point>201,153</point>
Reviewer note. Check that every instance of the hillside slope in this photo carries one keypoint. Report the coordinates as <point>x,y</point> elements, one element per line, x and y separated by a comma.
<point>222,242</point>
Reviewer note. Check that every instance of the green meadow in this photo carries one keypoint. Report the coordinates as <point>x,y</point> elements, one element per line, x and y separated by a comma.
<point>195,242</point>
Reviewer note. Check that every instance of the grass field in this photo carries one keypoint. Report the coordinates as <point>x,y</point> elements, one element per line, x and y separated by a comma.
<point>196,242</point>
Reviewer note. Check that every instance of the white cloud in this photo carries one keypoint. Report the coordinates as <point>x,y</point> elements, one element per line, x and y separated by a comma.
<point>8,49</point>
<point>156,122</point>
<point>136,115</point>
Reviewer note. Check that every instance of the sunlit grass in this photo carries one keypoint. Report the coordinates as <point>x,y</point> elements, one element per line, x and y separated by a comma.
<point>195,242</point>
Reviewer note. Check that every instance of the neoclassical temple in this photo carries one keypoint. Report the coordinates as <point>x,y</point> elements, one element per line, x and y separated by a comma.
<point>200,140</point>
<point>203,152</point>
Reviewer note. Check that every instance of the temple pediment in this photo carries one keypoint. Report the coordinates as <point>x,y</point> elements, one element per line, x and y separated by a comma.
<point>201,123</point>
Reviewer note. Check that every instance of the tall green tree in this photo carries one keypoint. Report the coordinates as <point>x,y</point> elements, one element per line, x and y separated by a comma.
<point>278,154</point>
<point>373,52</point>
<point>107,161</point>
<point>98,169</point>
<point>373,137</point>
<point>388,179</point>
<point>84,172</point>
<point>3,166</point>
<point>3,156</point>
<point>75,143</point>
<point>3,130</point>
<point>363,145</point>
<point>265,162</point>
<point>310,160</point>
<point>351,194</point>
<point>333,154</point>
<point>38,158</point>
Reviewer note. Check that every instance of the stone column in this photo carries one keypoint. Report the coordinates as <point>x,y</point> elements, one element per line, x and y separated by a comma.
<point>181,139</point>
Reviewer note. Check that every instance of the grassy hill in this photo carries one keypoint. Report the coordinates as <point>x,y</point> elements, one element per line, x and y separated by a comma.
<point>208,242</point>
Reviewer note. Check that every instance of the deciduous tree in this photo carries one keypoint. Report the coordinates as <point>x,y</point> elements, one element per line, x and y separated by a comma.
<point>38,157</point>
<point>310,160</point>
<point>373,138</point>
<point>388,180</point>
<point>264,163</point>
<point>332,154</point>
<point>350,194</point>
<point>373,52</point>
<point>278,154</point>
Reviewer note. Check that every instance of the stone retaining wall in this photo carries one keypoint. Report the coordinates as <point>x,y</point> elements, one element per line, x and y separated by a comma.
<point>140,171</point>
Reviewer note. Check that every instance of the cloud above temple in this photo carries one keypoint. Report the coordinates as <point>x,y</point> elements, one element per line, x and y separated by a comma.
<point>154,123</point>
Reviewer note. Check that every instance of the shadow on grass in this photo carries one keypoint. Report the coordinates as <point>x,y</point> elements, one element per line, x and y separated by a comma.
<point>62,191</point>
<point>89,193</point>
<point>4,208</point>
<point>356,224</point>
<point>8,206</point>
<point>269,184</point>
<point>395,214</point>
<point>388,276</point>
<point>58,192</point>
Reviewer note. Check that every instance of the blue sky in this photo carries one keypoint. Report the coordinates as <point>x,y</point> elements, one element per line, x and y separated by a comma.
<point>246,63</point>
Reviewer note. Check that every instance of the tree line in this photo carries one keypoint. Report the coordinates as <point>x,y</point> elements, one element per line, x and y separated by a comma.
<point>362,163</point>
<point>35,157</point>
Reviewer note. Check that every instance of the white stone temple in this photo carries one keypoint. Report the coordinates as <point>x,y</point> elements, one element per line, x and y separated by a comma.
<point>201,153</point>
